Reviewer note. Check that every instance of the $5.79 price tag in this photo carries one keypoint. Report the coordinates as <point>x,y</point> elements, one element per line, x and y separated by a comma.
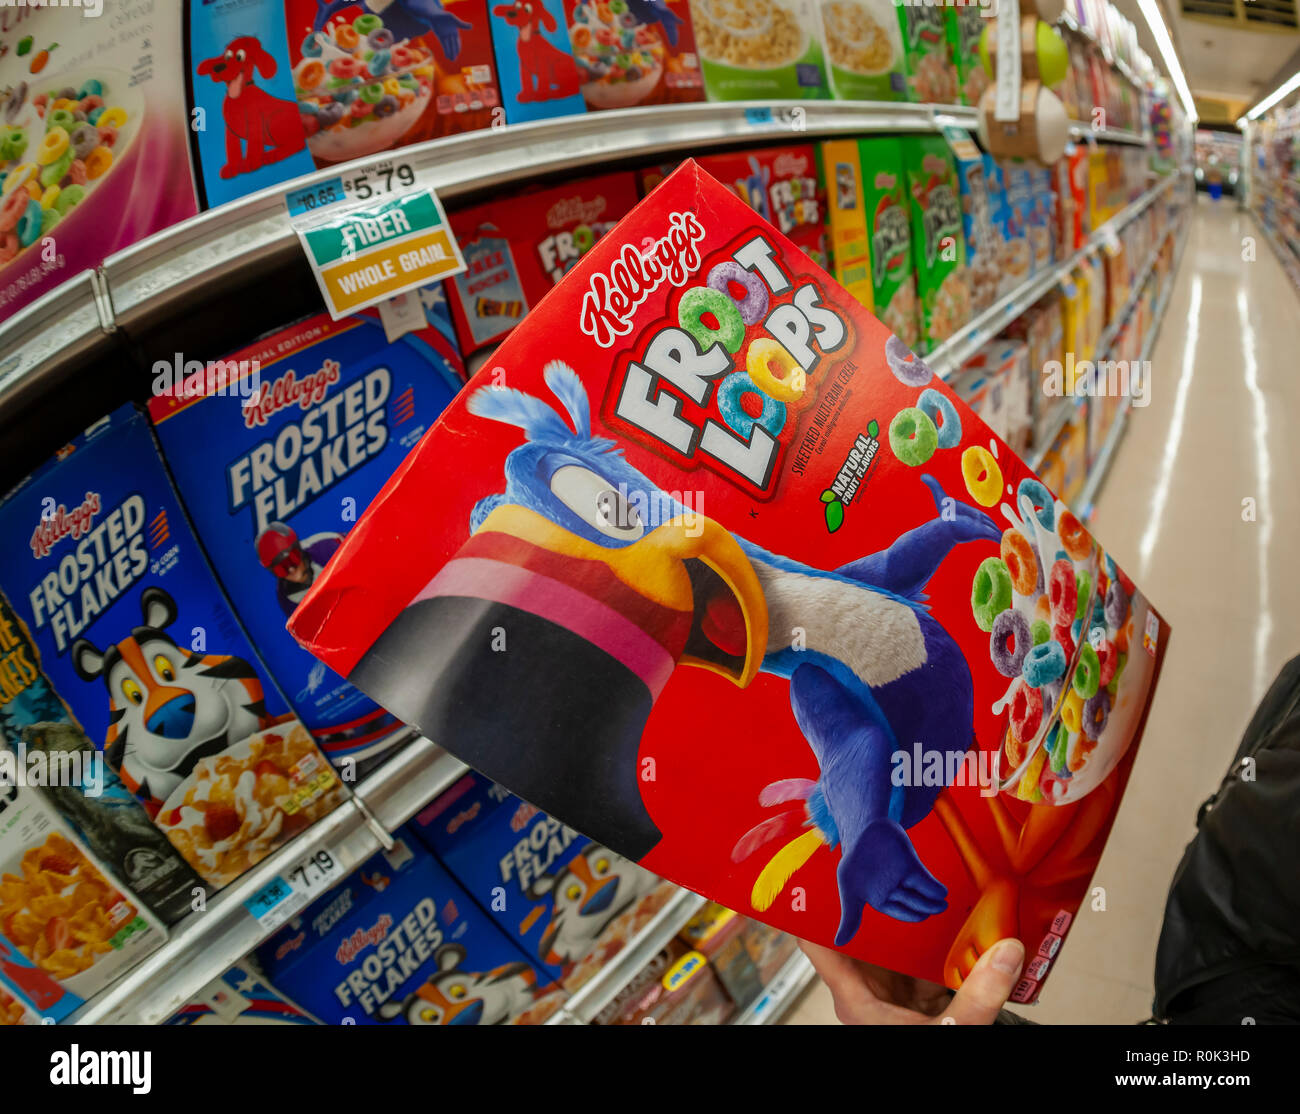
<point>372,234</point>
<point>287,893</point>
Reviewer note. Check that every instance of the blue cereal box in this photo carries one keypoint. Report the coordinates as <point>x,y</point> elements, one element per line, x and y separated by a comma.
<point>399,941</point>
<point>569,903</point>
<point>312,422</point>
<point>136,638</point>
<point>240,997</point>
<point>538,73</point>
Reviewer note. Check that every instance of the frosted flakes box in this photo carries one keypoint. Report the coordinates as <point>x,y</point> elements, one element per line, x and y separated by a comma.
<point>400,942</point>
<point>136,638</point>
<point>66,929</point>
<point>44,739</point>
<point>286,87</point>
<point>240,997</point>
<point>517,248</point>
<point>540,77</point>
<point>562,898</point>
<point>698,518</point>
<point>636,53</point>
<point>864,50</point>
<point>312,421</point>
<point>92,138</point>
<point>760,49</point>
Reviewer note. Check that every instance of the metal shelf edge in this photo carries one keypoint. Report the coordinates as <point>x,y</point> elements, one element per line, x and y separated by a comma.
<point>780,994</point>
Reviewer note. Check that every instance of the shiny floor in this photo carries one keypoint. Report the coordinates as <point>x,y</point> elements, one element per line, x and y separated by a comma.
<point>1202,507</point>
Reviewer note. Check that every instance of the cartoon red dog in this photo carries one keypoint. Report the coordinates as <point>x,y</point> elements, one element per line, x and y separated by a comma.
<point>545,73</point>
<point>268,127</point>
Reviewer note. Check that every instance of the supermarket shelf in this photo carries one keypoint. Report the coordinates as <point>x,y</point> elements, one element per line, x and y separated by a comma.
<point>1081,133</point>
<point>595,995</point>
<point>1065,410</point>
<point>204,945</point>
<point>780,994</point>
<point>950,356</point>
<point>1284,251</point>
<point>408,781</point>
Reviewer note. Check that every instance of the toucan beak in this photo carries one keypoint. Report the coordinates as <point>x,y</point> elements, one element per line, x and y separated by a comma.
<point>691,566</point>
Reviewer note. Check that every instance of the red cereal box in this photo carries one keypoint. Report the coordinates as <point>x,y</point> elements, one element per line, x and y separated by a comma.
<point>784,186</point>
<point>723,577</point>
<point>517,248</point>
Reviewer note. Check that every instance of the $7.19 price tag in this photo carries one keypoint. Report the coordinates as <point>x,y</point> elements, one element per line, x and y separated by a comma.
<point>287,893</point>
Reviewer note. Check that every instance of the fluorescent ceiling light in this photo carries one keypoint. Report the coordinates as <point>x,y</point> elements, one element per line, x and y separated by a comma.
<point>1282,91</point>
<point>1157,24</point>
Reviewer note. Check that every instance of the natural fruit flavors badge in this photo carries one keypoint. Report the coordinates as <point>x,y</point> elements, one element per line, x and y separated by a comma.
<point>661,644</point>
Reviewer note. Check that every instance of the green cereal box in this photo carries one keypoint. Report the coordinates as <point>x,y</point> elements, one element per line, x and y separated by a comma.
<point>965,26</point>
<point>760,49</point>
<point>938,246</point>
<point>864,50</point>
<point>889,232</point>
<point>927,50</point>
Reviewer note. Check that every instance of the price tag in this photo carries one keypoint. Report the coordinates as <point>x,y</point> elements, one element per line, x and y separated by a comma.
<point>963,146</point>
<point>758,117</point>
<point>287,893</point>
<point>371,234</point>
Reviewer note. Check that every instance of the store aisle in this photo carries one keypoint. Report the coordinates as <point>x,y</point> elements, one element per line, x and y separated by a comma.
<point>1174,512</point>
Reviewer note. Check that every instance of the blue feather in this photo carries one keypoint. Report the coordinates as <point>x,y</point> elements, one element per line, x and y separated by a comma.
<point>568,388</point>
<point>505,404</point>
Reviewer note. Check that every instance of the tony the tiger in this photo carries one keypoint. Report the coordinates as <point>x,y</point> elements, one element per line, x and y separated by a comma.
<point>170,707</point>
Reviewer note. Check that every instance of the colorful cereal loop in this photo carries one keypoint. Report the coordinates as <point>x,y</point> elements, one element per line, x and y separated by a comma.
<point>944,415</point>
<point>982,475</point>
<point>1021,562</point>
<point>1074,536</point>
<point>774,371</point>
<point>730,393</point>
<point>1041,505</point>
<point>990,593</point>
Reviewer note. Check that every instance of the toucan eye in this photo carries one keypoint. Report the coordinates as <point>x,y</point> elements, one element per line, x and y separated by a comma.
<point>132,691</point>
<point>597,502</point>
<point>164,668</point>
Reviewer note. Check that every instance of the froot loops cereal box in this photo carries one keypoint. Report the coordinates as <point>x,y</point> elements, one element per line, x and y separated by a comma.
<point>732,584</point>
<point>92,138</point>
<point>137,639</point>
<point>634,52</point>
<point>562,898</point>
<point>66,928</point>
<point>761,49</point>
<point>400,943</point>
<point>517,248</point>
<point>317,416</point>
<point>289,86</point>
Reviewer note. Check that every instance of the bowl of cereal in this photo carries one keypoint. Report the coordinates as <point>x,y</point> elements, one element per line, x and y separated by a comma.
<point>358,90</point>
<point>59,140</point>
<point>857,40</point>
<point>748,34</point>
<point>621,59</point>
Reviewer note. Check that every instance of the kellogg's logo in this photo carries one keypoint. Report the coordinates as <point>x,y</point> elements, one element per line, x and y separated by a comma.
<point>58,523</point>
<point>352,946</point>
<point>289,390</point>
<point>790,165</point>
<point>575,210</point>
<point>612,299</point>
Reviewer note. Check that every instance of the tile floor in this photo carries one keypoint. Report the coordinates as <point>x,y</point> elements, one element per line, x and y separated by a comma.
<point>1224,387</point>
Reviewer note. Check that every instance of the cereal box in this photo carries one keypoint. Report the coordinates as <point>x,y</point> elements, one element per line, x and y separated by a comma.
<point>1018,254</point>
<point>704,450</point>
<point>399,942</point>
<point>938,243</point>
<point>641,54</point>
<point>783,185</point>
<point>889,232</point>
<point>540,77</point>
<point>240,997</point>
<point>66,929</point>
<point>864,50</point>
<point>517,248</point>
<point>984,244</point>
<point>286,87</point>
<point>717,933</point>
<point>676,987</point>
<point>314,420</point>
<point>48,747</point>
<point>965,27</point>
<point>928,50</point>
<point>760,49</point>
<point>850,238</point>
<point>567,902</point>
<point>94,123</point>
<point>1004,365</point>
<point>136,638</point>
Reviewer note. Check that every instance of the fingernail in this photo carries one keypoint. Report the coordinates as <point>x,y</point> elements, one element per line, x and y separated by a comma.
<point>1009,957</point>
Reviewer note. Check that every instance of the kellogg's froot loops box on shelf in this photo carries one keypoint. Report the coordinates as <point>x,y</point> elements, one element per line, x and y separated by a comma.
<point>519,247</point>
<point>317,417</point>
<point>938,243</point>
<point>570,904</point>
<point>136,638</point>
<point>288,86</point>
<point>760,49</point>
<point>634,52</point>
<point>399,942</point>
<point>66,929</point>
<point>92,139</point>
<point>776,616</point>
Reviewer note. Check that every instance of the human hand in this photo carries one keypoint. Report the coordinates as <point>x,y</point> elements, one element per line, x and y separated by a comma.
<point>868,995</point>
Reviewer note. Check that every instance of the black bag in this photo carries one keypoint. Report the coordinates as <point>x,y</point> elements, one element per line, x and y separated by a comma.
<point>1229,950</point>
